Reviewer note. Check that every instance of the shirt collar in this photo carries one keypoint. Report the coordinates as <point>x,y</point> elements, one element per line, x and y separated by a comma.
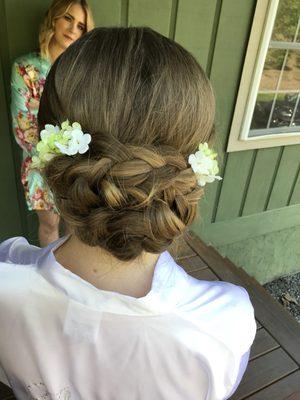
<point>168,284</point>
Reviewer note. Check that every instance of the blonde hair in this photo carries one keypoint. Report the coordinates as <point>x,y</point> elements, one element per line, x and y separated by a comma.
<point>57,9</point>
<point>147,104</point>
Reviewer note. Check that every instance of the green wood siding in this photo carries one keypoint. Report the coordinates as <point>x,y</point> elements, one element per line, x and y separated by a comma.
<point>295,195</point>
<point>22,20</point>
<point>109,12</point>
<point>285,177</point>
<point>234,185</point>
<point>194,36</point>
<point>261,180</point>
<point>156,14</point>
<point>234,24</point>
<point>10,217</point>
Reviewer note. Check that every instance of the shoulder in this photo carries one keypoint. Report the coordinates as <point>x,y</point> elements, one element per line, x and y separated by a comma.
<point>18,251</point>
<point>18,270</point>
<point>18,278</point>
<point>219,294</point>
<point>30,64</point>
<point>223,310</point>
<point>29,58</point>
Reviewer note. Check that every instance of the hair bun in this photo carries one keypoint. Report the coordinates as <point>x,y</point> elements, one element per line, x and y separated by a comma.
<point>140,203</point>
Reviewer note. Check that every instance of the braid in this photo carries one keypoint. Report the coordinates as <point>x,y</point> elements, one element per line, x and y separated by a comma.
<point>139,203</point>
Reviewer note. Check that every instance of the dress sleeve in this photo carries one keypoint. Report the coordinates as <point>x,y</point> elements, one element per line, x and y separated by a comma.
<point>24,105</point>
<point>242,369</point>
<point>225,313</point>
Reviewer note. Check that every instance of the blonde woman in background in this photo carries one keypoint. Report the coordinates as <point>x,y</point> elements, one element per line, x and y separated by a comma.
<point>64,23</point>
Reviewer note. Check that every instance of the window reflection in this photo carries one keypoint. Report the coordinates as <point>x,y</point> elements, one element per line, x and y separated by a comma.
<point>272,68</point>
<point>262,110</point>
<point>283,110</point>
<point>277,107</point>
<point>276,110</point>
<point>291,74</point>
<point>286,21</point>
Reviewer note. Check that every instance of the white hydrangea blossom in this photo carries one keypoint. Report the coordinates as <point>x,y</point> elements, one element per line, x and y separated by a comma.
<point>204,165</point>
<point>48,131</point>
<point>69,140</point>
<point>78,143</point>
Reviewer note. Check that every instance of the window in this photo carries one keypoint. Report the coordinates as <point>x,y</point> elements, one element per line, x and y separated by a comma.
<point>267,111</point>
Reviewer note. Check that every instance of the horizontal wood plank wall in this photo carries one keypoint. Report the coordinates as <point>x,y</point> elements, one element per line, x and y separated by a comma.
<point>251,226</point>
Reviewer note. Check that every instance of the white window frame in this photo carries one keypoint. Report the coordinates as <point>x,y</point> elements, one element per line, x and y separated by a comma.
<point>260,36</point>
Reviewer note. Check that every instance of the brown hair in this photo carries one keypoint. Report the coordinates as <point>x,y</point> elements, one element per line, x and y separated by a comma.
<point>57,9</point>
<point>147,105</point>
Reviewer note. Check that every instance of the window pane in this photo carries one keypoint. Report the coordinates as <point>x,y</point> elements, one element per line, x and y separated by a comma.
<point>296,119</point>
<point>291,74</point>
<point>283,109</point>
<point>286,20</point>
<point>262,110</point>
<point>272,68</point>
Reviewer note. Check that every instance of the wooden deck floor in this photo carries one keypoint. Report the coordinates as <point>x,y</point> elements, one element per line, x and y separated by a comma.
<point>273,372</point>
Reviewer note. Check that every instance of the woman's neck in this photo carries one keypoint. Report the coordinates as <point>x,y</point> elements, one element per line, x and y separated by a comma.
<point>54,50</point>
<point>106,272</point>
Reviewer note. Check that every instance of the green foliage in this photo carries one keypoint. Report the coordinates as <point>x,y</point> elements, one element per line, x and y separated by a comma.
<point>286,20</point>
<point>274,59</point>
<point>284,31</point>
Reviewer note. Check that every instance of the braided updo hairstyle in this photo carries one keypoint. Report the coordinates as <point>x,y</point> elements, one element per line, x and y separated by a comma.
<point>147,105</point>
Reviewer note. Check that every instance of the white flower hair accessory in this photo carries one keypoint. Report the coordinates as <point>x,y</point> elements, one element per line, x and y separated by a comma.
<point>69,140</point>
<point>204,165</point>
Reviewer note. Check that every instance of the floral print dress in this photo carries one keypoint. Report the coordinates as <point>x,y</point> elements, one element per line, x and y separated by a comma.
<point>27,83</point>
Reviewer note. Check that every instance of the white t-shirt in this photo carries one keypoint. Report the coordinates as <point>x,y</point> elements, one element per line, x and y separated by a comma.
<point>62,338</point>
